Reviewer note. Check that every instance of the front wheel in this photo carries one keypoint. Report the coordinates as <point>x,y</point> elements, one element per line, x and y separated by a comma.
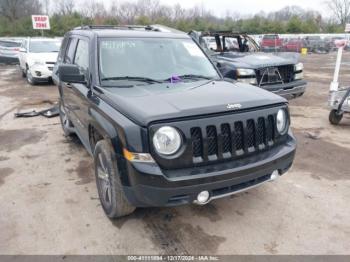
<point>335,117</point>
<point>110,189</point>
<point>23,72</point>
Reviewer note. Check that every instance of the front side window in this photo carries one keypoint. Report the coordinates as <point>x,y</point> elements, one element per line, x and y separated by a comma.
<point>82,56</point>
<point>44,46</point>
<point>70,51</point>
<point>62,49</point>
<point>152,58</point>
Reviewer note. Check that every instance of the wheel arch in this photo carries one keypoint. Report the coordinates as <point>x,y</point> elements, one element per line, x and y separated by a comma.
<point>101,129</point>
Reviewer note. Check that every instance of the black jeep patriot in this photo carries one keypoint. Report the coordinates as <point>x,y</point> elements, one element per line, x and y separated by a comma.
<point>162,124</point>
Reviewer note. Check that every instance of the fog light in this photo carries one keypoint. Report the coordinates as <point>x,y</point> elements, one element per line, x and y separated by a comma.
<point>38,73</point>
<point>275,174</point>
<point>203,197</point>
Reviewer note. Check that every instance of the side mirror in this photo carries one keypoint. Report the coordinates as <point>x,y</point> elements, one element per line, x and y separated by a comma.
<point>71,74</point>
<point>22,50</point>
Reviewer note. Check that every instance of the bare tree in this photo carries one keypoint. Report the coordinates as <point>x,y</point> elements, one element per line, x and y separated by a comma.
<point>93,9</point>
<point>15,9</point>
<point>149,8</point>
<point>126,12</point>
<point>46,6</point>
<point>64,7</point>
<point>178,12</point>
<point>340,10</point>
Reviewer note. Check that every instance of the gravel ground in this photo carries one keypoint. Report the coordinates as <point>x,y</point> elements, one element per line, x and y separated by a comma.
<point>49,202</point>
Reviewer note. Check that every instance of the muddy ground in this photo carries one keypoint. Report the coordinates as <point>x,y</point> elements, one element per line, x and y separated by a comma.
<point>49,203</point>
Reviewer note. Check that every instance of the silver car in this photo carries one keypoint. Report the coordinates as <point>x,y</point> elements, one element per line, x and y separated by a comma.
<point>9,50</point>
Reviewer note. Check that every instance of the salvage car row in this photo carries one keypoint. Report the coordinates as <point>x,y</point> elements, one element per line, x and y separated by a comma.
<point>170,118</point>
<point>237,56</point>
<point>311,43</point>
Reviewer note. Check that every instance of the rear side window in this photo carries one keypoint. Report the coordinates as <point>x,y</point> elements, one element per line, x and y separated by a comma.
<point>82,56</point>
<point>9,44</point>
<point>70,51</point>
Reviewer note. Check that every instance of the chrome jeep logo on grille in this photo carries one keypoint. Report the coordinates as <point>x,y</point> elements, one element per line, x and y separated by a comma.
<point>234,106</point>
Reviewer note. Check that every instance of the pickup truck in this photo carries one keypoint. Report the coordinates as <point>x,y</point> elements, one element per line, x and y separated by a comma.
<point>271,43</point>
<point>163,126</point>
<point>239,57</point>
<point>294,45</point>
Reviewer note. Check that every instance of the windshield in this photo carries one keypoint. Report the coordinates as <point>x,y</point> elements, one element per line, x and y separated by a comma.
<point>44,46</point>
<point>154,59</point>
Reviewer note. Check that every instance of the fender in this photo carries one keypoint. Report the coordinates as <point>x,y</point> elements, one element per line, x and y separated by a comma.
<point>105,128</point>
<point>108,131</point>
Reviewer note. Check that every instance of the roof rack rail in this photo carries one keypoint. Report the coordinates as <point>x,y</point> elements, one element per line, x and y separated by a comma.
<point>121,27</point>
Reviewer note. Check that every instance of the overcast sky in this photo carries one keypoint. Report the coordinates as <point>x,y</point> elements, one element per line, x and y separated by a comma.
<point>219,7</point>
<point>245,7</point>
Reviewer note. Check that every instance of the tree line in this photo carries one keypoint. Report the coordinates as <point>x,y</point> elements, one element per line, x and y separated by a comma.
<point>15,17</point>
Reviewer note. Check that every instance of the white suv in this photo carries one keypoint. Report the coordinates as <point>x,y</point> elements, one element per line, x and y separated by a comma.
<point>37,58</point>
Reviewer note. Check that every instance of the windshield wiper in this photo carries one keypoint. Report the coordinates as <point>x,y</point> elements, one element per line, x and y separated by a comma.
<point>132,78</point>
<point>189,76</point>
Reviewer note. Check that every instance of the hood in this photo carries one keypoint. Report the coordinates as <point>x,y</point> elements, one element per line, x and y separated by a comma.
<point>259,59</point>
<point>145,104</point>
<point>43,57</point>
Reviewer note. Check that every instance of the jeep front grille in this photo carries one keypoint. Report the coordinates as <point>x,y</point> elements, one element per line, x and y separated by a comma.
<point>197,148</point>
<point>220,138</point>
<point>232,139</point>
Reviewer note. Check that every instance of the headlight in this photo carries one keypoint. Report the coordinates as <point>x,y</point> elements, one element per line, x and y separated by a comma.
<point>299,76</point>
<point>167,140</point>
<point>298,67</point>
<point>245,72</point>
<point>282,121</point>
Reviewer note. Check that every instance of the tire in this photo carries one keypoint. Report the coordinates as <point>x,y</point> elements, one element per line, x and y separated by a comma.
<point>23,73</point>
<point>109,187</point>
<point>66,124</point>
<point>334,117</point>
<point>30,78</point>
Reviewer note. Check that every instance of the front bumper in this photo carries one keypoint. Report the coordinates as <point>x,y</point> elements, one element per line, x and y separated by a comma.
<point>288,90</point>
<point>40,73</point>
<point>150,186</point>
